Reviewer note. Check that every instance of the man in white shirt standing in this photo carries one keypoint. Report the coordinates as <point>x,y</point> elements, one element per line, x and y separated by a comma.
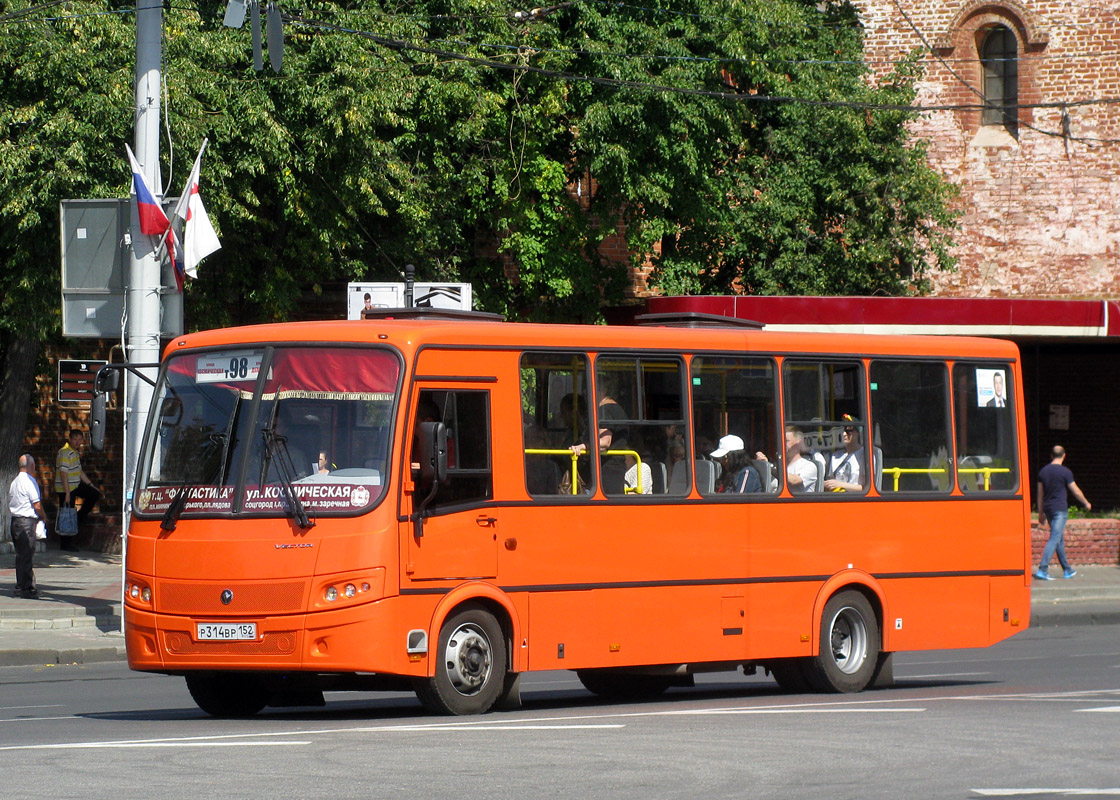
<point>24,503</point>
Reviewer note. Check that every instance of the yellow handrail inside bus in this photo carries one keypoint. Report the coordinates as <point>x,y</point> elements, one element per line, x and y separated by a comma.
<point>987,473</point>
<point>535,451</point>
<point>625,489</point>
<point>898,472</point>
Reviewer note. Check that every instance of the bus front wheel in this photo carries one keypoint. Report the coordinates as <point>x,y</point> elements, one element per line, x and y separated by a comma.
<point>849,645</point>
<point>227,694</point>
<point>470,666</point>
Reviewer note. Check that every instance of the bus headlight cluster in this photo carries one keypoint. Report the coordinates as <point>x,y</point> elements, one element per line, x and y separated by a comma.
<point>138,591</point>
<point>348,590</point>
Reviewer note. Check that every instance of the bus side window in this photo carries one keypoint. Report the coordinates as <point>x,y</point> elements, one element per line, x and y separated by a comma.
<point>555,416</point>
<point>640,419</point>
<point>910,427</point>
<point>735,426</point>
<point>984,409</point>
<point>824,409</point>
<point>466,414</point>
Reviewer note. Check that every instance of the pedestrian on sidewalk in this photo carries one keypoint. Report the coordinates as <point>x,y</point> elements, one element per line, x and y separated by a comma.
<point>71,482</point>
<point>25,505</point>
<point>1055,482</point>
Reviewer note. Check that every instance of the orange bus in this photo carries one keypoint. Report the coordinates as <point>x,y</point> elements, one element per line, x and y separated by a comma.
<point>444,504</point>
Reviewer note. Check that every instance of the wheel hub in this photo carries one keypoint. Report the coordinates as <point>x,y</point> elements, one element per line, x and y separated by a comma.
<point>469,659</point>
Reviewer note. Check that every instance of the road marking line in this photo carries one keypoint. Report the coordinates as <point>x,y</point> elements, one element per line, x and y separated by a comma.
<point>1112,709</point>
<point>21,708</point>
<point>813,711</point>
<point>942,675</point>
<point>37,719</point>
<point>124,745</point>
<point>509,727</point>
<point>1064,792</point>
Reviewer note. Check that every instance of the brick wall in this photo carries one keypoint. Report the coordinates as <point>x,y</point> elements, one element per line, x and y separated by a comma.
<point>1040,210</point>
<point>48,425</point>
<point>1087,542</point>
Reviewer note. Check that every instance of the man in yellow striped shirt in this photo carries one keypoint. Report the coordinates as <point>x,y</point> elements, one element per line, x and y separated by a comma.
<point>71,481</point>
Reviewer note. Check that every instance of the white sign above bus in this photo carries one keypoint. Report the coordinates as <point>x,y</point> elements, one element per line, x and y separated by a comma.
<point>391,295</point>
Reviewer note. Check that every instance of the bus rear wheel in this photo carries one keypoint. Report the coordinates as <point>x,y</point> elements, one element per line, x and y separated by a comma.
<point>470,667</point>
<point>227,694</point>
<point>849,645</point>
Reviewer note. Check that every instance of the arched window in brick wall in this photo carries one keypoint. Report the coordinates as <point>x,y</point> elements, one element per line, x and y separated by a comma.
<point>999,59</point>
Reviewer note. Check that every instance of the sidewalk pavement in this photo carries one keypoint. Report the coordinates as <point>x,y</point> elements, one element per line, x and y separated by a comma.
<point>78,616</point>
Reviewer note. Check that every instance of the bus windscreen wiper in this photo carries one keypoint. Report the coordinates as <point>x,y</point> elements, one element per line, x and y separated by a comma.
<point>276,446</point>
<point>171,516</point>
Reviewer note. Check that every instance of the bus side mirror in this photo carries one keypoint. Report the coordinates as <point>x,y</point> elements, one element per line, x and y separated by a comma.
<point>106,380</point>
<point>97,421</point>
<point>433,454</point>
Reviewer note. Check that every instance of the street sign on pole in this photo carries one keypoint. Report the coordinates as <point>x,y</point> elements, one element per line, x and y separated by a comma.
<point>75,379</point>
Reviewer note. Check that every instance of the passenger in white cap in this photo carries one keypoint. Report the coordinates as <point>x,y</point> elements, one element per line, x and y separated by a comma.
<point>737,475</point>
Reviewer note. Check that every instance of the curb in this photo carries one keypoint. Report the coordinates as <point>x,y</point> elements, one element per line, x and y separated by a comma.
<point>1094,613</point>
<point>49,657</point>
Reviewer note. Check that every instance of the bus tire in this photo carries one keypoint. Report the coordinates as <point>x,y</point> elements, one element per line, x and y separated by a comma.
<point>849,651</point>
<point>471,666</point>
<point>789,673</point>
<point>614,685</point>
<point>227,694</point>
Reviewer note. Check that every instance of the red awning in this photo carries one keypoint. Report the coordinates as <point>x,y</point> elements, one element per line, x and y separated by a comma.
<point>929,315</point>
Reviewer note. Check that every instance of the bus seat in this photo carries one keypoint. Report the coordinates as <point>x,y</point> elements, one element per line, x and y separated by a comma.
<point>660,476</point>
<point>822,468</point>
<point>678,480</point>
<point>877,455</point>
<point>765,470</point>
<point>705,476</point>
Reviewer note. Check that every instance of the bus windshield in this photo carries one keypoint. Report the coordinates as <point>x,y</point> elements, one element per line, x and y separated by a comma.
<point>241,430</point>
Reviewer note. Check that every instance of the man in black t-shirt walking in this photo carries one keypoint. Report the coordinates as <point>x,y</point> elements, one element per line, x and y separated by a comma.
<point>1055,481</point>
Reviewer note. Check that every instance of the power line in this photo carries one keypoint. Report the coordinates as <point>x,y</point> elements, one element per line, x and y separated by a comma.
<point>1007,115</point>
<point>415,46</point>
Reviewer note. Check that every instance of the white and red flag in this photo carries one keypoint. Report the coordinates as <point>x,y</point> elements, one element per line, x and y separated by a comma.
<point>199,239</point>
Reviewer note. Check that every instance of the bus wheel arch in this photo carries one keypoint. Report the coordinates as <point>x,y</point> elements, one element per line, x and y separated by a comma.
<point>492,599</point>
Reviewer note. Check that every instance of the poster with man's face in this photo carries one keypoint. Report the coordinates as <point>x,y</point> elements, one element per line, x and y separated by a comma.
<point>991,388</point>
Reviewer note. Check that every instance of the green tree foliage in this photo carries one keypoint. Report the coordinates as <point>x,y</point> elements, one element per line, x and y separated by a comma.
<point>453,134</point>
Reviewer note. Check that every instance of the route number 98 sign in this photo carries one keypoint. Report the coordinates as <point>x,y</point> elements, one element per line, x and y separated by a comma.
<point>244,365</point>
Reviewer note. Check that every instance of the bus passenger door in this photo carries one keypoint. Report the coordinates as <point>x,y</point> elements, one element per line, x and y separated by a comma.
<point>460,531</point>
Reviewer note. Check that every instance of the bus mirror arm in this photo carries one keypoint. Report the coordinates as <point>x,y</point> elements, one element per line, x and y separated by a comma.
<point>106,380</point>
<point>433,467</point>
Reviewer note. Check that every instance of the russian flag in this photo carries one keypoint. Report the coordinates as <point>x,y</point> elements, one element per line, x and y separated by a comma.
<point>152,219</point>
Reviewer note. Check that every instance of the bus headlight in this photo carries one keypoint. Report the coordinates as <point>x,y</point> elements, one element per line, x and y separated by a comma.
<point>332,594</point>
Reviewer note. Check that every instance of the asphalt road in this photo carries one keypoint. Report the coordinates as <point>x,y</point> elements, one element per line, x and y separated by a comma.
<point>1036,716</point>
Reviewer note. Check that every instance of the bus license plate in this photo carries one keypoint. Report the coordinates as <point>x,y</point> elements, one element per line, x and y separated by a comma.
<point>226,631</point>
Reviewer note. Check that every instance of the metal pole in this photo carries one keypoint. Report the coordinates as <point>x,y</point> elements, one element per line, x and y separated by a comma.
<point>144,279</point>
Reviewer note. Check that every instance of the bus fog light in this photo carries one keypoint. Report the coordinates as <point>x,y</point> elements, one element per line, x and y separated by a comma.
<point>332,594</point>
<point>365,587</point>
<point>350,590</point>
